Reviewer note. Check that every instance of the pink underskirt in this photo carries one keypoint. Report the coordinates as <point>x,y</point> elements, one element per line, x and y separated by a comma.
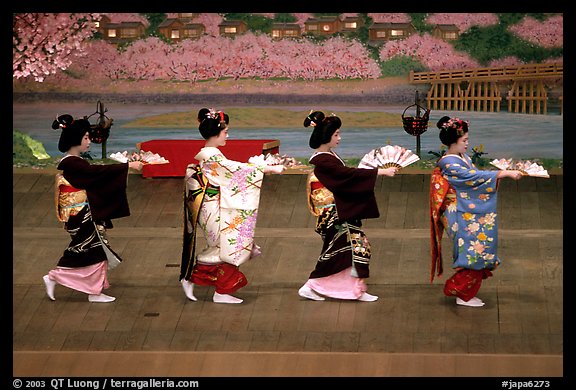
<point>90,280</point>
<point>340,286</point>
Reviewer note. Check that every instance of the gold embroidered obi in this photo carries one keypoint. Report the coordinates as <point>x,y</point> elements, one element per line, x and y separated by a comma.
<point>69,200</point>
<point>319,197</point>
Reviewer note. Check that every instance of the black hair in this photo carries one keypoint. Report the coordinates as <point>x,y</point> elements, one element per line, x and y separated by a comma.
<point>62,121</point>
<point>73,131</point>
<point>213,123</point>
<point>324,128</point>
<point>451,129</point>
<point>202,114</point>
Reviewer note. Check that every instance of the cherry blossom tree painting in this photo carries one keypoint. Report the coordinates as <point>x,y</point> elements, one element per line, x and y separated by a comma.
<point>46,43</point>
<point>62,47</point>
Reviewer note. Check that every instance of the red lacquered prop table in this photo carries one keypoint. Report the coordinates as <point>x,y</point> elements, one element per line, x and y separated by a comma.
<point>180,153</point>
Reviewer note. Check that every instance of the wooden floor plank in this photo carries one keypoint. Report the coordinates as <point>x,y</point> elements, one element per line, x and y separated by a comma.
<point>288,364</point>
<point>523,315</point>
<point>396,210</point>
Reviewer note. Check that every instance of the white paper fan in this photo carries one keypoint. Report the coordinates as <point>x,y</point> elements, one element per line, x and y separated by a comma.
<point>388,156</point>
<point>274,159</point>
<point>527,167</point>
<point>145,157</point>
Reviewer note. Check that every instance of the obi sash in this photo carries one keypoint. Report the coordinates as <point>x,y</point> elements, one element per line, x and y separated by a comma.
<point>69,200</point>
<point>319,197</point>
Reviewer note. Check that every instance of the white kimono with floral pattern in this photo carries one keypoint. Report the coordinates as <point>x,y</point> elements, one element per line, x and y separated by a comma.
<point>228,218</point>
<point>472,221</point>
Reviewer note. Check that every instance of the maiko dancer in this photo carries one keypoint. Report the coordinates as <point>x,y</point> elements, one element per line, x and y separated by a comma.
<point>463,201</point>
<point>221,199</point>
<point>88,197</point>
<point>340,197</point>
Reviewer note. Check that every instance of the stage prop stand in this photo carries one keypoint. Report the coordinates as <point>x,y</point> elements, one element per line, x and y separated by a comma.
<point>416,125</point>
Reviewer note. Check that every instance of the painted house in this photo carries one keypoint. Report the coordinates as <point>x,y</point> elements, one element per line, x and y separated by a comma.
<point>446,32</point>
<point>186,17</point>
<point>382,32</point>
<point>119,31</point>
<point>352,23</point>
<point>178,29</point>
<point>230,28</point>
<point>324,25</point>
<point>286,30</point>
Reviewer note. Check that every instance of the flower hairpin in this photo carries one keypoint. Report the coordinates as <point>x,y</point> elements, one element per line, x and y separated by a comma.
<point>455,123</point>
<point>211,114</point>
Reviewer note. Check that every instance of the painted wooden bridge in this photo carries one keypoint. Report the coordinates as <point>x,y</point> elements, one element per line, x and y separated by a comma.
<point>479,89</point>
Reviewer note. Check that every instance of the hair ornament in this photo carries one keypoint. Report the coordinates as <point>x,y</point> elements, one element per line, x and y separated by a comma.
<point>312,120</point>
<point>211,114</point>
<point>61,124</point>
<point>455,123</point>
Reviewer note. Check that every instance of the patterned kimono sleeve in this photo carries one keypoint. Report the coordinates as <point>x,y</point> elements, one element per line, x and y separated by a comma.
<point>471,184</point>
<point>475,221</point>
<point>239,183</point>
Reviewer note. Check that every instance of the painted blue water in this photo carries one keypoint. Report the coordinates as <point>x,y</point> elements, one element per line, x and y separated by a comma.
<point>502,134</point>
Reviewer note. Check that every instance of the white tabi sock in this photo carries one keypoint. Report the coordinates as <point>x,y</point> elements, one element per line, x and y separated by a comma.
<point>365,297</point>
<point>188,288</point>
<point>225,298</point>
<point>307,292</point>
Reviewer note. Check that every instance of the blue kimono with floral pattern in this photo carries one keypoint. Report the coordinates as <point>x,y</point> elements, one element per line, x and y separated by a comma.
<point>472,221</point>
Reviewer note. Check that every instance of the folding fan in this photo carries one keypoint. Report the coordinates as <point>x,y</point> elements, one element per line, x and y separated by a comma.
<point>388,156</point>
<point>274,159</point>
<point>527,167</point>
<point>145,157</point>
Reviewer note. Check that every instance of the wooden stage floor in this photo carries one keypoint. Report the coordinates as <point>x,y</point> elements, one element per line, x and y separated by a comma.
<point>413,330</point>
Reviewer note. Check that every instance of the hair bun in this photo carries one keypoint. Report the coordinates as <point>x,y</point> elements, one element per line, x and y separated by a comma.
<point>442,121</point>
<point>202,114</point>
<point>62,121</point>
<point>314,118</point>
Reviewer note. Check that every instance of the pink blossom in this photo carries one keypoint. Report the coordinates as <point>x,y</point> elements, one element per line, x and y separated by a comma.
<point>463,20</point>
<point>549,33</point>
<point>506,61</point>
<point>119,17</point>
<point>210,22</point>
<point>390,17</point>
<point>44,43</point>
<point>434,53</point>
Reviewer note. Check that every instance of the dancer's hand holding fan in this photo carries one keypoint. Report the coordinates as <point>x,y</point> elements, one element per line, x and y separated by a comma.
<point>526,167</point>
<point>142,156</point>
<point>389,156</point>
